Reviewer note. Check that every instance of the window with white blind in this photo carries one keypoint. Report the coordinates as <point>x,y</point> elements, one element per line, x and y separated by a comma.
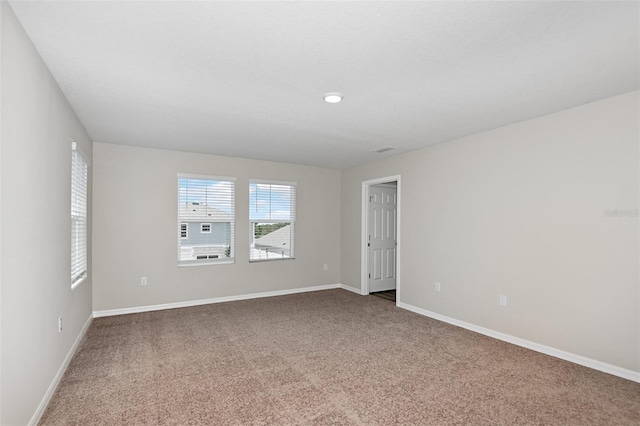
<point>79,179</point>
<point>272,216</point>
<point>206,219</point>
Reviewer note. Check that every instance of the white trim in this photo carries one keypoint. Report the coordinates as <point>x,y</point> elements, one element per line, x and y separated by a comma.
<point>205,262</point>
<point>270,260</point>
<point>272,181</point>
<point>269,221</point>
<point>557,353</point>
<point>364,267</point>
<point>186,304</point>
<point>352,289</point>
<point>202,225</point>
<point>205,177</point>
<point>56,380</point>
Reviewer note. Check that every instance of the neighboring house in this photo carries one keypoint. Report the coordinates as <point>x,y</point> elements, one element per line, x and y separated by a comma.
<point>276,244</point>
<point>205,232</point>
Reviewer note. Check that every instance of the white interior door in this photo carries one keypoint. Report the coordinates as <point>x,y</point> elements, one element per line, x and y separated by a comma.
<point>382,237</point>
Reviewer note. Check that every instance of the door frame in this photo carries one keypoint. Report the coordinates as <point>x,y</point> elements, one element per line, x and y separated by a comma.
<point>364,251</point>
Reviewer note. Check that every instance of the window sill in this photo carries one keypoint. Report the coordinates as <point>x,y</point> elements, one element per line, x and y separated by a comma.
<point>222,262</point>
<point>270,260</point>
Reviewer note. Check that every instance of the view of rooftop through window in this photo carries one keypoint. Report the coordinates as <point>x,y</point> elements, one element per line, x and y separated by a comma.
<point>272,218</point>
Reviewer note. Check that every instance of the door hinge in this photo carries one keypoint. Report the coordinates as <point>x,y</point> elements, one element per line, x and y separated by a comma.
<point>369,276</point>
<point>371,198</point>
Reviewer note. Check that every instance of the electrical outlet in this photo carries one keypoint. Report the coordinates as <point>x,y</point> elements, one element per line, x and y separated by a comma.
<point>59,324</point>
<point>502,301</point>
<point>325,267</point>
<point>438,287</point>
<point>143,280</point>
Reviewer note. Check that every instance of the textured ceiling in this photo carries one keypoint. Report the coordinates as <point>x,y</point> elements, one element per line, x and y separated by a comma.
<point>246,79</point>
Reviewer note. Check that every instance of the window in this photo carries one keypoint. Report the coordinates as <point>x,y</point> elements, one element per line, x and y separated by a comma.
<point>79,179</point>
<point>205,203</point>
<point>272,216</point>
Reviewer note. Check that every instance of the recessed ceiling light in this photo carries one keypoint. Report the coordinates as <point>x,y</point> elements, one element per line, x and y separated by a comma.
<point>333,97</point>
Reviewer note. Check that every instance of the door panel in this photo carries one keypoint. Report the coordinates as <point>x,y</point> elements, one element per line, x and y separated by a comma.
<point>377,265</point>
<point>390,266</point>
<point>377,224</point>
<point>382,238</point>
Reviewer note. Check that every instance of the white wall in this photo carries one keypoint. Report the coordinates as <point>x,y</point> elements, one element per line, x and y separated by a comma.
<point>135,229</point>
<point>37,127</point>
<point>520,211</point>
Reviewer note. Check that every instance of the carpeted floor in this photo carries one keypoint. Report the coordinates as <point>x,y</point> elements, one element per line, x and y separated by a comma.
<point>323,358</point>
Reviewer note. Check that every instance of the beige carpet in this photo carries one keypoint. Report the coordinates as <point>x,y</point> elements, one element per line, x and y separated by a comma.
<point>323,358</point>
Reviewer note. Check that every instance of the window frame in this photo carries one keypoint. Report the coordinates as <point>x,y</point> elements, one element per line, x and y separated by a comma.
<point>292,220</point>
<point>79,218</point>
<point>210,259</point>
<point>186,230</point>
<point>202,225</point>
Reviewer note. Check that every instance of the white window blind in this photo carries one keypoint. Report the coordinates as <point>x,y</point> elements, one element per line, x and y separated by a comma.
<point>206,219</point>
<point>79,178</point>
<point>272,216</point>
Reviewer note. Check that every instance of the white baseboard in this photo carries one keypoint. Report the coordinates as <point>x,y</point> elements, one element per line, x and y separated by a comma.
<point>567,356</point>
<point>56,380</point>
<point>186,304</point>
<point>351,289</point>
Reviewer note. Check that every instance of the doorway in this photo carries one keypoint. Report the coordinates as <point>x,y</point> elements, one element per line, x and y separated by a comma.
<point>380,236</point>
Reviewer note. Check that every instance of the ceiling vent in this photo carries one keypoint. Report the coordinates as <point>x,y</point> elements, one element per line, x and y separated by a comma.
<point>384,149</point>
